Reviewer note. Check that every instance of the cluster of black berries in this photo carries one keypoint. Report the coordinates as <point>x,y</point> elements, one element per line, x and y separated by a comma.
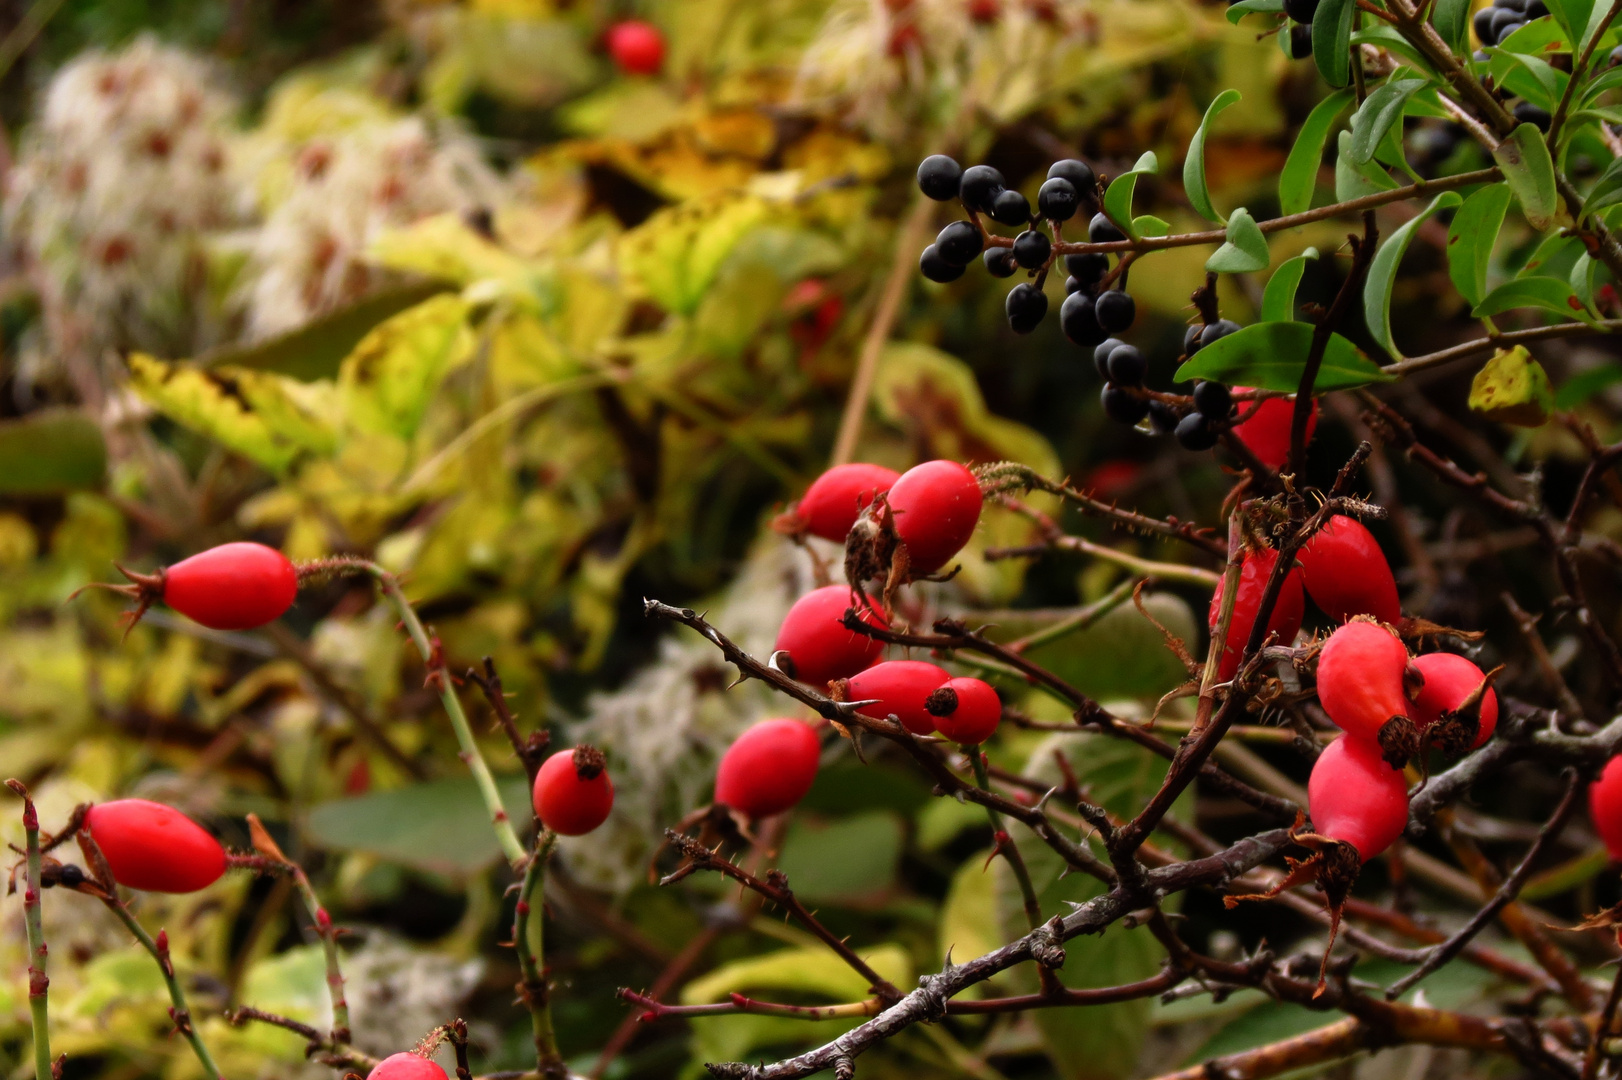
<point>1070,187</point>
<point>1494,24</point>
<point>1301,12</point>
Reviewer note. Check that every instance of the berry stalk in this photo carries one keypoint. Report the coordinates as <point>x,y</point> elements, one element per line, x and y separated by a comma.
<point>505,836</point>
<point>1006,847</point>
<point>38,983</point>
<point>529,942</point>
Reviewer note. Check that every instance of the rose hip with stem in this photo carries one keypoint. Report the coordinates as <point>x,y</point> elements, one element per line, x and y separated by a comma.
<point>572,793</point>
<point>1361,685</point>
<point>966,710</point>
<point>769,768</point>
<point>1457,708</point>
<point>153,847</point>
<point>820,648</point>
<point>1346,573</point>
<point>1284,622</point>
<point>406,1066</point>
<point>831,504</point>
<point>935,507</point>
<point>236,586</point>
<point>900,687</point>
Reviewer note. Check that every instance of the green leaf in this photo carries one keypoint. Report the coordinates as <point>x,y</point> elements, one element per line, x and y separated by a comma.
<point>1332,40</point>
<point>1580,387</point>
<point>1512,388</point>
<point>1118,196</point>
<point>1553,257</point>
<point>1278,302</point>
<point>1239,10</point>
<point>677,252</point>
<point>1452,21</point>
<point>1546,293</point>
<point>1245,251</point>
<point>1385,37</point>
<point>1272,355</point>
<point>440,826</point>
<point>1607,190</point>
<point>1573,15</point>
<point>1530,172</point>
<point>1300,175</point>
<point>1353,181</point>
<point>51,452</point>
<point>850,860</point>
<point>1383,271</point>
<point>1581,278</point>
<point>1471,237</point>
<point>1551,84</point>
<point>1374,119</point>
<point>1149,225</point>
<point>1199,196</point>
<point>1121,655</point>
<point>385,384</point>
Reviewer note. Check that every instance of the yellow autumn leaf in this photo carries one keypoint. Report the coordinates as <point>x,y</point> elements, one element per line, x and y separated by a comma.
<point>1512,388</point>
<point>386,382</point>
<point>676,253</point>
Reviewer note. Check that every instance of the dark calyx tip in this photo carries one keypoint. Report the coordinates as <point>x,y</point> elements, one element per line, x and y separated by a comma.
<point>589,762</point>
<point>941,702</point>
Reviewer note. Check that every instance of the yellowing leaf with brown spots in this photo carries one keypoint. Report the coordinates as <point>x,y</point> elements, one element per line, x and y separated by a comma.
<point>1512,388</point>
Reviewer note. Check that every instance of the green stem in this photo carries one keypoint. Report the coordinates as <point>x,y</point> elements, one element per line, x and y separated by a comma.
<point>1008,850</point>
<point>505,835</point>
<point>38,983</point>
<point>329,947</point>
<point>179,1010</point>
<point>529,941</point>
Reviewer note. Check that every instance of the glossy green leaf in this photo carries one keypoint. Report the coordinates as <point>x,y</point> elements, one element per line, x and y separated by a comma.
<point>1581,278</point>
<point>1244,252</point>
<point>1332,40</point>
<point>1573,16</point>
<point>1149,225</point>
<point>1471,237</point>
<point>1272,355</point>
<point>1118,196</point>
<point>851,860</point>
<point>1120,655</point>
<point>1383,271</point>
<point>1605,81</point>
<point>1385,37</point>
<point>51,452</point>
<point>440,826</point>
<point>1300,175</point>
<point>1549,294</point>
<point>1199,196</point>
<point>1452,21</point>
<point>1529,169</point>
<point>1553,257</point>
<point>1551,84</point>
<point>1353,181</point>
<point>1278,302</point>
<point>1607,190</point>
<point>1242,8</point>
<point>1374,119</point>
<point>1580,387</point>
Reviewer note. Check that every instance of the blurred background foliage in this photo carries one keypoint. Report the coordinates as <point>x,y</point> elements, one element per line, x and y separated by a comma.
<point>432,283</point>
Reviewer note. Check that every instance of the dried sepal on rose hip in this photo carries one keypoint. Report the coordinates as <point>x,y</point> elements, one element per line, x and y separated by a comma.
<point>819,647</point>
<point>1359,807</point>
<point>1456,709</point>
<point>1284,622</point>
<point>914,529</point>
<point>573,794</point>
<point>236,586</point>
<point>900,688</point>
<point>1346,574</point>
<point>832,503</point>
<point>153,847</point>
<point>966,710</point>
<point>1363,678</point>
<point>406,1065</point>
<point>769,768</point>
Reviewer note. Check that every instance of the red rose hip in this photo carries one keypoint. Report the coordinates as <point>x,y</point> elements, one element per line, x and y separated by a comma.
<point>638,48</point>
<point>1356,797</point>
<point>820,647</point>
<point>769,768</point>
<point>830,505</point>
<point>1605,806</point>
<point>235,586</point>
<point>902,688</point>
<point>154,847</point>
<point>1456,708</point>
<point>1361,687</point>
<point>935,507</point>
<point>1266,430</point>
<point>572,793</point>
<point>1284,621</point>
<point>406,1066</point>
<point>966,710</point>
<point>1346,573</point>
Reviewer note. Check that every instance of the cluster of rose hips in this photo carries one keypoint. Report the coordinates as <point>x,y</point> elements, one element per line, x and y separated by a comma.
<point>914,522</point>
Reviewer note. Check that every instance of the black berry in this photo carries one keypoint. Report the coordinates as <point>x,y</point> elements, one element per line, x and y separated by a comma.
<point>1123,405</point>
<point>979,186</point>
<point>1191,339</point>
<point>1079,322</point>
<point>999,261</point>
<point>1194,432</point>
<point>1616,57</point>
<point>1217,331</point>
<point>1079,173</point>
<point>1497,21</point>
<point>1127,366</point>
<point>1101,230</point>
<point>1032,248</point>
<point>1073,284</point>
<point>1116,311</point>
<point>1528,113</point>
<point>939,176</point>
<point>1101,354</point>
<point>1300,41</point>
<point>959,243</point>
<point>1162,417</point>
<point>1058,199</point>
<point>1011,208</point>
<point>1301,11</point>
<point>1088,268</point>
<point>1483,25</point>
<point>936,268</point>
<point>1536,10</point>
<point>1213,399</point>
<point>1507,27</point>
<point>1025,307</point>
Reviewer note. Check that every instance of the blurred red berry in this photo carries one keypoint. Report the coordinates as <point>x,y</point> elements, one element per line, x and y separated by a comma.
<point>638,47</point>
